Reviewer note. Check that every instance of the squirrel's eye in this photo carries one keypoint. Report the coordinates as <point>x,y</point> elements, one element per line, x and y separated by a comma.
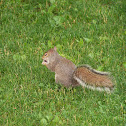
<point>45,54</point>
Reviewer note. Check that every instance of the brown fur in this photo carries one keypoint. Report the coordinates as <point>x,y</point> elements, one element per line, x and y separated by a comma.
<point>68,74</point>
<point>62,67</point>
<point>92,78</point>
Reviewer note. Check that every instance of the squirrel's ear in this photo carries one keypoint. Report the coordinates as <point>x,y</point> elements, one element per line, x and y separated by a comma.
<point>55,48</point>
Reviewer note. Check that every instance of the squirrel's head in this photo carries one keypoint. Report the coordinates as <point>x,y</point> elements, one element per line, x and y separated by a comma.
<point>49,56</point>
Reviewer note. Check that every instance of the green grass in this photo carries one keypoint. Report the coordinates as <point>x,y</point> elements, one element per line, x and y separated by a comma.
<point>84,31</point>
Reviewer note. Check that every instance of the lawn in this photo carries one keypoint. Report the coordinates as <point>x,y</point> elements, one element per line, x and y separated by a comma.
<point>89,32</point>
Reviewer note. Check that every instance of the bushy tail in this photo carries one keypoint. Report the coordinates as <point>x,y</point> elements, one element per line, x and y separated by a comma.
<point>92,79</point>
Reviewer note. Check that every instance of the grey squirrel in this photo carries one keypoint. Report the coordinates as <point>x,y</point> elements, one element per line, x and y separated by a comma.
<point>67,74</point>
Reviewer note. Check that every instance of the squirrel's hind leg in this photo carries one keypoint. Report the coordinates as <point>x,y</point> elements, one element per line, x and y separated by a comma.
<point>59,79</point>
